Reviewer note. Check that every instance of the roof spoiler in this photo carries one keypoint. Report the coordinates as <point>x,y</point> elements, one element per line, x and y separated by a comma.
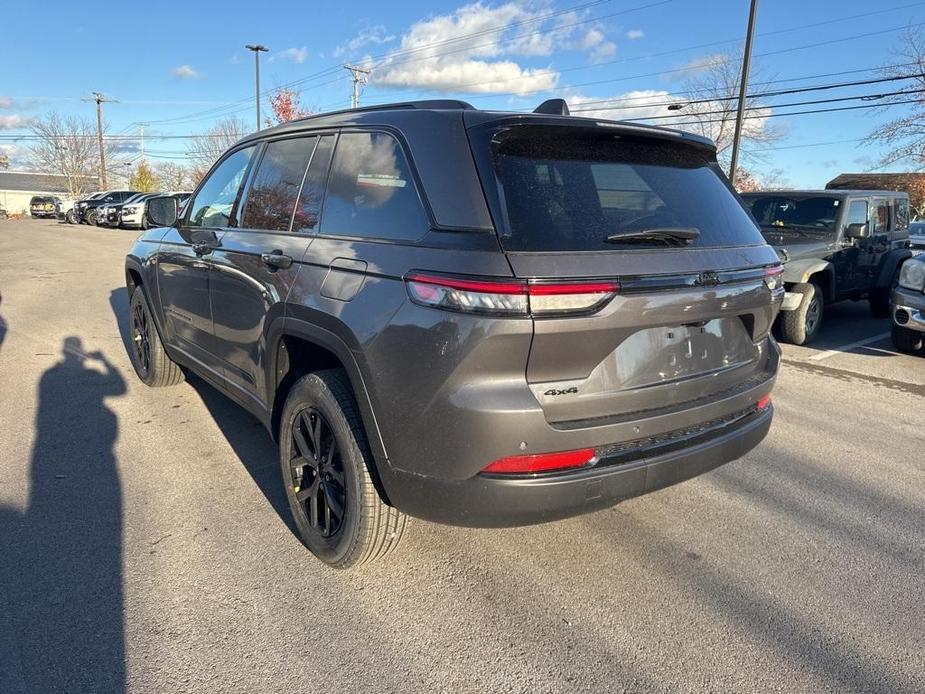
<point>553,107</point>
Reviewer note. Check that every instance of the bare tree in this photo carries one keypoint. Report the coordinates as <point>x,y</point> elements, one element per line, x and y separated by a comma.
<point>206,148</point>
<point>905,137</point>
<point>66,145</point>
<point>713,91</point>
<point>172,176</point>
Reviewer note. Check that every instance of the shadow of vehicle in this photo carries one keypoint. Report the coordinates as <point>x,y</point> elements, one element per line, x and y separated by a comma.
<point>61,567</point>
<point>845,324</point>
<point>246,436</point>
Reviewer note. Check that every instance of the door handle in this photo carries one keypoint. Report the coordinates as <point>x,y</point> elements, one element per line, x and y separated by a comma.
<point>201,248</point>
<point>276,259</point>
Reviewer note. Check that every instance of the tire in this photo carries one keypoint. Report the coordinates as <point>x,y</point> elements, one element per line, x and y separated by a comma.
<point>325,461</point>
<point>91,218</point>
<point>800,326</point>
<point>906,340</point>
<point>70,217</point>
<point>150,360</point>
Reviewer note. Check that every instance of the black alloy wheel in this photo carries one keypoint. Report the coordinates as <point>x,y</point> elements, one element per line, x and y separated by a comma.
<point>141,338</point>
<point>318,473</point>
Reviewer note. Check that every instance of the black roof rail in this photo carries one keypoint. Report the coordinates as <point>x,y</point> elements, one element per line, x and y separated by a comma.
<point>432,104</point>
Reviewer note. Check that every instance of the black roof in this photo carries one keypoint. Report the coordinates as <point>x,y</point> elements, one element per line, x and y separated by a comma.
<point>436,133</point>
<point>398,113</point>
<point>32,182</point>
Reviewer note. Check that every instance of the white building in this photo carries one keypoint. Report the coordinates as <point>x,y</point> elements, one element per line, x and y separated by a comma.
<point>18,187</point>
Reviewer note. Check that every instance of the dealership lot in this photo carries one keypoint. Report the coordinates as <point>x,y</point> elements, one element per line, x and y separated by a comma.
<point>145,542</point>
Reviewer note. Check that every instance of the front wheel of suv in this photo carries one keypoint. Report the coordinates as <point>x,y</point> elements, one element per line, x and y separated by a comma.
<point>906,340</point>
<point>70,217</point>
<point>801,325</point>
<point>92,217</point>
<point>324,457</point>
<point>149,358</point>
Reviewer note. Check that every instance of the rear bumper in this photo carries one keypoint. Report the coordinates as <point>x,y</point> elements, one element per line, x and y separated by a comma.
<point>501,501</point>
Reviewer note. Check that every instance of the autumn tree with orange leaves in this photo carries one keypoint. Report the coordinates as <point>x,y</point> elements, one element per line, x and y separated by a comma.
<point>286,105</point>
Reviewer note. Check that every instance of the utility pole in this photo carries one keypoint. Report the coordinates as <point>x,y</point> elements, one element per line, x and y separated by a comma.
<point>100,99</point>
<point>359,76</point>
<point>141,128</point>
<point>257,49</point>
<point>743,87</point>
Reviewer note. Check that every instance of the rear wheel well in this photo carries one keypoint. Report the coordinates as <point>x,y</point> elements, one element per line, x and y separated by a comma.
<point>823,280</point>
<point>296,357</point>
<point>132,280</point>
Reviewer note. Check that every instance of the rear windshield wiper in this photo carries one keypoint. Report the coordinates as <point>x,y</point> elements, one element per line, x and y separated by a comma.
<point>677,236</point>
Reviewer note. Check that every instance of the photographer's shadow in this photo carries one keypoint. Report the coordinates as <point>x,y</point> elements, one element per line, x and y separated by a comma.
<point>62,558</point>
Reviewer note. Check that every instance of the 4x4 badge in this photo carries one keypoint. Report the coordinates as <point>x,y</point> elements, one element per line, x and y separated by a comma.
<point>566,391</point>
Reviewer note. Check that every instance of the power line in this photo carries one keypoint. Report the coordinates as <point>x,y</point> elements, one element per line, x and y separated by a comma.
<point>802,113</point>
<point>865,97</point>
<point>780,92</point>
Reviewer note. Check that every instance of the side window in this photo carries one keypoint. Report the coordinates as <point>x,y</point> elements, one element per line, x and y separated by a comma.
<point>857,212</point>
<point>900,214</point>
<point>308,210</point>
<point>881,220</point>
<point>213,203</point>
<point>274,188</point>
<point>371,192</point>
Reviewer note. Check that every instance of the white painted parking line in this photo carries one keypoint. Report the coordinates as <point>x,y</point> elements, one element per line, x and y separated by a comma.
<point>847,348</point>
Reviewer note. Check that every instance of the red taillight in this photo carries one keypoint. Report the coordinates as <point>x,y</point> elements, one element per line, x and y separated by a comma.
<point>764,403</point>
<point>774,277</point>
<point>508,297</point>
<point>541,462</point>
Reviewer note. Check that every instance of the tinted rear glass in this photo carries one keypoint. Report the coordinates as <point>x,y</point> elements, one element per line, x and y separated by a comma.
<point>569,191</point>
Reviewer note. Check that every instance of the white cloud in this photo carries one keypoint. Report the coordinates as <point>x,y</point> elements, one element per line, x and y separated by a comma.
<point>474,49</point>
<point>186,72</point>
<point>647,104</point>
<point>6,102</point>
<point>460,61</point>
<point>642,103</point>
<point>592,38</point>
<point>603,52</point>
<point>292,55</point>
<point>701,64</point>
<point>635,34</point>
<point>376,35</point>
<point>12,122</point>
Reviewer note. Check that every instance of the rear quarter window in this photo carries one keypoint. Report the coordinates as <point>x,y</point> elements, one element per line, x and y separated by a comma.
<point>371,192</point>
<point>568,191</point>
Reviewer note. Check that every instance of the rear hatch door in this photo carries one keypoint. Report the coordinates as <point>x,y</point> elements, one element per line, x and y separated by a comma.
<point>691,317</point>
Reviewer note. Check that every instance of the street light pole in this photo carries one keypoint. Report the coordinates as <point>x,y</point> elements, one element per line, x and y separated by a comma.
<point>257,49</point>
<point>743,87</point>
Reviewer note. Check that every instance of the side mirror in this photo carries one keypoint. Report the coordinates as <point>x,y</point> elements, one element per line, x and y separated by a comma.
<point>162,212</point>
<point>857,231</point>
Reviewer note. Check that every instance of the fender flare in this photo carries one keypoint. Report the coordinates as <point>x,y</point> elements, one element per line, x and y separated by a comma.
<point>893,260</point>
<point>310,332</point>
<point>800,271</point>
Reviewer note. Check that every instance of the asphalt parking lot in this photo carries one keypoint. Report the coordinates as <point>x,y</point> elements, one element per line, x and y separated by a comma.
<point>145,544</point>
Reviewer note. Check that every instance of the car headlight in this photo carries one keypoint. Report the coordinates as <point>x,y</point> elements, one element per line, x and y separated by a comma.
<point>913,276</point>
<point>129,210</point>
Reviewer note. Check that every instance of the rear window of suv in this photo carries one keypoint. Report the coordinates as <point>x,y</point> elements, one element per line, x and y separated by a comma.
<point>568,189</point>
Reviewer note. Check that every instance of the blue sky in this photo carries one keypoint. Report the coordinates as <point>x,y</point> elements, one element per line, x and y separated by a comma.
<point>184,65</point>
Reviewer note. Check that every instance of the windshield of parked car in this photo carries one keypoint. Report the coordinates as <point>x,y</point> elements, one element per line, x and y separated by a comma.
<point>780,212</point>
<point>576,189</point>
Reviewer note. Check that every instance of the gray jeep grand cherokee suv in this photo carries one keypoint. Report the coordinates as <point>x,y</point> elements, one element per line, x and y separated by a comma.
<point>476,318</point>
